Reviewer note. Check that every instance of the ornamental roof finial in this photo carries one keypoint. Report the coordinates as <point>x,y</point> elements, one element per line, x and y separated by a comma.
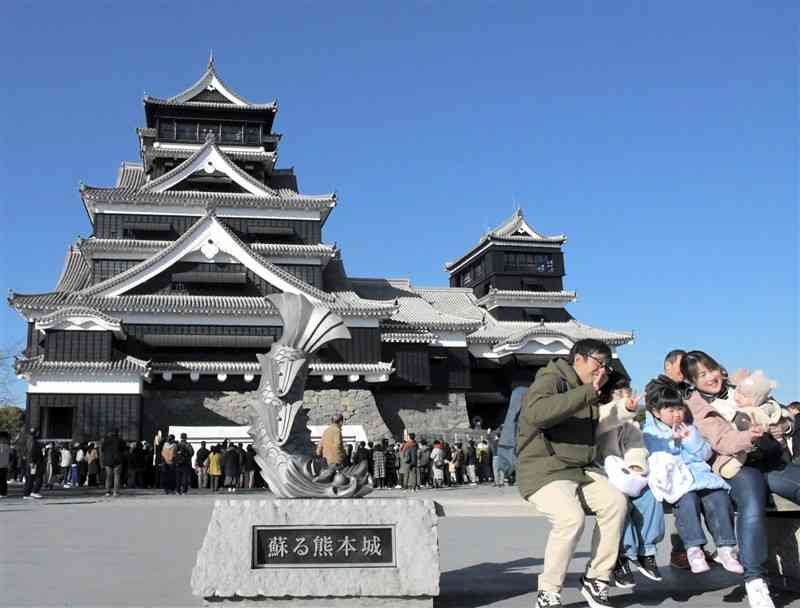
<point>211,59</point>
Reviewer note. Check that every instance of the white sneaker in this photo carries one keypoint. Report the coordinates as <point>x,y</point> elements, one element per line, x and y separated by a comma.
<point>758,594</point>
<point>726,556</point>
<point>697,560</point>
<point>35,495</point>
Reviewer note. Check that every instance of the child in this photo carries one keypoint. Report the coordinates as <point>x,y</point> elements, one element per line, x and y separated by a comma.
<point>666,431</point>
<point>644,526</point>
<point>751,406</point>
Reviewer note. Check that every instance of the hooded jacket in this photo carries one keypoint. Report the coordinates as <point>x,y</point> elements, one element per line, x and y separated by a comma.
<point>694,451</point>
<point>569,419</point>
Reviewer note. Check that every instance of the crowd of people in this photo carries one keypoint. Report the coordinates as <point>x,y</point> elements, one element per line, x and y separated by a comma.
<point>413,464</point>
<point>713,447</point>
<point>114,464</point>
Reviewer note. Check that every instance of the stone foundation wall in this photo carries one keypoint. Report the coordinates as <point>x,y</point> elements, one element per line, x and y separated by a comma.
<point>421,412</point>
<point>382,414</point>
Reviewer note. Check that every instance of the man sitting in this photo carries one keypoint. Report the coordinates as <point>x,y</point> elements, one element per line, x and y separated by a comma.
<point>555,469</point>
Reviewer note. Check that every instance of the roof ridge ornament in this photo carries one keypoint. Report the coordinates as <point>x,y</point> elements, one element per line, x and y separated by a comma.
<point>211,59</point>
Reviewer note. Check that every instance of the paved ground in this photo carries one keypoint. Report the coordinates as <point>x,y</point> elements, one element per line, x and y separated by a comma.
<point>80,549</point>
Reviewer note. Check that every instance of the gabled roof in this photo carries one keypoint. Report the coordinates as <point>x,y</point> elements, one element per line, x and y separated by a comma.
<point>211,237</point>
<point>210,159</point>
<point>517,227</point>
<point>210,81</point>
<point>514,231</point>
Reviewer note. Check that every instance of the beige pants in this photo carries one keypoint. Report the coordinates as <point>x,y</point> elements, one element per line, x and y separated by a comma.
<point>558,501</point>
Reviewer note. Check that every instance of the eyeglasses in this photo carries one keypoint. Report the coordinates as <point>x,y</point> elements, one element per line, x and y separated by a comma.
<point>603,364</point>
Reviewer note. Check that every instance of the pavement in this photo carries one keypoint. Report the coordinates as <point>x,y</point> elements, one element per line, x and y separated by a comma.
<point>78,548</point>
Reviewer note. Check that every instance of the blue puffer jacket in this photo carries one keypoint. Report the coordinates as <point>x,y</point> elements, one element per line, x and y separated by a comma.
<point>694,451</point>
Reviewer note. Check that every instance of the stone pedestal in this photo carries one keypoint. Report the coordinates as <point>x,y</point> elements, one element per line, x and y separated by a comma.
<point>320,553</point>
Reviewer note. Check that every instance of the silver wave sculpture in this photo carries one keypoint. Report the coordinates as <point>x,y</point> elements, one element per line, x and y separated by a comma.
<point>279,420</point>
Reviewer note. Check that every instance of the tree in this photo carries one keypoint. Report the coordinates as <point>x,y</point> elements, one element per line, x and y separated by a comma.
<point>12,419</point>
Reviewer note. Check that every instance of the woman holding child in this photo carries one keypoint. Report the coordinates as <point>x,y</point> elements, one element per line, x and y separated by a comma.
<point>745,454</point>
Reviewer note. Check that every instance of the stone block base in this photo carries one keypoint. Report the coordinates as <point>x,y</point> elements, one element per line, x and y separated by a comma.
<point>252,554</point>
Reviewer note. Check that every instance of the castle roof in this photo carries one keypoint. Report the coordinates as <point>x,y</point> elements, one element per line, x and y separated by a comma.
<point>210,91</point>
<point>514,231</point>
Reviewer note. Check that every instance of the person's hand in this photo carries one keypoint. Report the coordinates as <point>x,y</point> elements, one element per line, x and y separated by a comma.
<point>680,431</point>
<point>632,404</point>
<point>756,432</point>
<point>600,379</point>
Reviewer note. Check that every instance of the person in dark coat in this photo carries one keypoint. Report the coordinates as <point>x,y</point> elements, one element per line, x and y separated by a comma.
<point>200,468</point>
<point>111,453</point>
<point>183,465</point>
<point>35,468</point>
<point>231,468</point>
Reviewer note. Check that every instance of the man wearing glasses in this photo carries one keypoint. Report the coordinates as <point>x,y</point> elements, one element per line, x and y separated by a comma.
<point>555,449</point>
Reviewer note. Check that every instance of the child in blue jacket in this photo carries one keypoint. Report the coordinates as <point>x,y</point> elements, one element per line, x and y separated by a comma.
<point>665,431</point>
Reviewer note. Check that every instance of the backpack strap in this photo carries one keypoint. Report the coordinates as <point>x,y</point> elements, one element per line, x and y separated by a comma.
<point>562,387</point>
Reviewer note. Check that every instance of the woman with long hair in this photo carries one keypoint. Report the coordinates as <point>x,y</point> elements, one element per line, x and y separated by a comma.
<point>763,471</point>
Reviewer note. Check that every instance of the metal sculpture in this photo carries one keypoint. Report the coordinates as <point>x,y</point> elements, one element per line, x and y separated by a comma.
<point>279,419</point>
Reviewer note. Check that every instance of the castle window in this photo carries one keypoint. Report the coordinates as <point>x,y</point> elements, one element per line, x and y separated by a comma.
<point>186,130</point>
<point>535,315</point>
<point>232,133</point>
<point>208,127</point>
<point>252,133</point>
<point>532,262</point>
<point>480,270</point>
<point>166,128</point>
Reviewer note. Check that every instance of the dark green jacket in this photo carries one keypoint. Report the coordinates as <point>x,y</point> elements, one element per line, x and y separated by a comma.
<point>567,418</point>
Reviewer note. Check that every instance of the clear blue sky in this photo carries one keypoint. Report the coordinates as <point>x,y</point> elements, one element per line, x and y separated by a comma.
<point>661,137</point>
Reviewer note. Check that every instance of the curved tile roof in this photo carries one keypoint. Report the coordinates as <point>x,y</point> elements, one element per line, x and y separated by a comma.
<point>127,366</point>
<point>188,304</point>
<point>93,246</point>
<point>511,333</point>
<point>248,367</point>
<point>131,175</point>
<point>414,310</point>
<point>76,273</point>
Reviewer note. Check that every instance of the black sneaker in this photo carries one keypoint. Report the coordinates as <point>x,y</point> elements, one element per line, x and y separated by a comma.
<point>646,564</point>
<point>548,599</point>
<point>595,592</point>
<point>622,576</point>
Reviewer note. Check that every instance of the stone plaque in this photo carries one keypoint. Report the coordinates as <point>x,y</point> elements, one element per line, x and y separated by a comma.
<point>323,547</point>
